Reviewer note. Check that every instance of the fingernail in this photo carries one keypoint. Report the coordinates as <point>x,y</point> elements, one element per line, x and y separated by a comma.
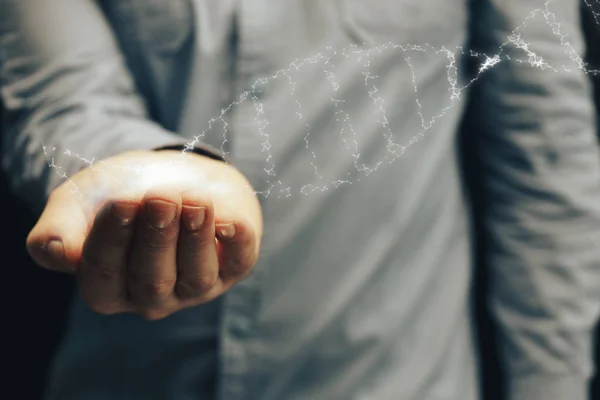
<point>54,249</point>
<point>193,217</point>
<point>124,212</point>
<point>226,231</point>
<point>160,213</point>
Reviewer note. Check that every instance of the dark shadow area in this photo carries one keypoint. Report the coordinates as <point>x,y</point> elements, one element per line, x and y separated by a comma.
<point>492,379</point>
<point>591,28</point>
<point>38,300</point>
<point>491,374</point>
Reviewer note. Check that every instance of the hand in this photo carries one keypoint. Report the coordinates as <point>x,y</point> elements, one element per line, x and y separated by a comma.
<point>150,232</point>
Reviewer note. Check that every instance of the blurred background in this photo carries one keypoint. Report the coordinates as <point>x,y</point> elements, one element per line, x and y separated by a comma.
<point>37,300</point>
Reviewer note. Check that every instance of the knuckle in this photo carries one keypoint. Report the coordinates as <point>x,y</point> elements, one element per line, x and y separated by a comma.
<point>157,245</point>
<point>196,243</point>
<point>103,267</point>
<point>155,289</point>
<point>193,286</point>
<point>110,272</point>
<point>118,237</point>
<point>159,241</point>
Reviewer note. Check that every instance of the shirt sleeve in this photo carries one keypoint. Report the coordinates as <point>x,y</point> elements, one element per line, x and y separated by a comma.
<point>541,172</point>
<point>68,95</point>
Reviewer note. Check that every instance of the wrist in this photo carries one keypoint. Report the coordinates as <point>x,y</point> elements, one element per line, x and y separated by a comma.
<point>198,149</point>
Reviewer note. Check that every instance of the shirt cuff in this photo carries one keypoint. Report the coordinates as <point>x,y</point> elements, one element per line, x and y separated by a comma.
<point>198,148</point>
<point>548,387</point>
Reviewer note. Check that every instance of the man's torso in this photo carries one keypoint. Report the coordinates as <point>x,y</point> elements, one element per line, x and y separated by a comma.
<point>343,116</point>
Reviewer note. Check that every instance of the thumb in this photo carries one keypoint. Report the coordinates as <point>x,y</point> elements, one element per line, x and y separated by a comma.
<point>56,241</point>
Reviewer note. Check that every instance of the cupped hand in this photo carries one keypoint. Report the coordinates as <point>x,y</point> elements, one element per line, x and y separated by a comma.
<point>150,232</point>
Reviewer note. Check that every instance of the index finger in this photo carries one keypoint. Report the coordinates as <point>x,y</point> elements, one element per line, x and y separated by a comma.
<point>102,279</point>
